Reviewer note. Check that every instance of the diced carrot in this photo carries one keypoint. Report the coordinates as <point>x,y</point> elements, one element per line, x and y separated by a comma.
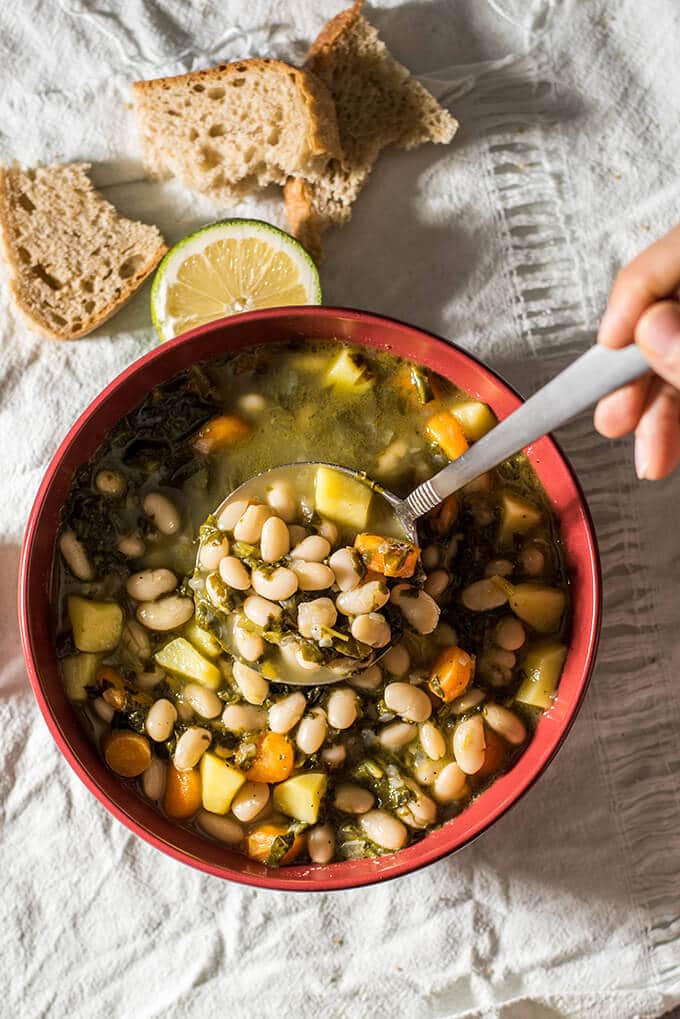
<point>451,673</point>
<point>219,432</point>
<point>389,556</point>
<point>182,796</point>
<point>112,685</point>
<point>127,753</point>
<point>494,754</point>
<point>447,433</point>
<point>260,843</point>
<point>444,516</point>
<point>274,761</point>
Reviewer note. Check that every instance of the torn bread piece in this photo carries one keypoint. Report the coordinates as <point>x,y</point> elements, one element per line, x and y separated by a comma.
<point>74,260</point>
<point>377,104</point>
<point>232,129</point>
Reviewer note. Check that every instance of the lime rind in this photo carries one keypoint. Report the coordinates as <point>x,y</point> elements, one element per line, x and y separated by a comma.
<point>236,228</point>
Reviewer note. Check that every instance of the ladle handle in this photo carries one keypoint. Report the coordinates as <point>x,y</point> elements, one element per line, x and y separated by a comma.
<point>597,372</point>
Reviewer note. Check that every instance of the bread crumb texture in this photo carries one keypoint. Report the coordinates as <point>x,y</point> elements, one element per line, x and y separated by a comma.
<point>74,261</point>
<point>232,129</point>
<point>377,104</point>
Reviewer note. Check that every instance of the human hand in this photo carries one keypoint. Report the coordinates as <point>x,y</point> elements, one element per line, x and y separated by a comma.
<point>643,307</point>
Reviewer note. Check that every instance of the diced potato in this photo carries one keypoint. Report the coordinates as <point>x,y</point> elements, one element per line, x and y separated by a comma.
<point>300,796</point>
<point>342,498</point>
<point>182,659</point>
<point>97,625</point>
<point>347,372</point>
<point>220,783</point>
<point>542,668</point>
<point>202,639</point>
<point>79,672</point>
<point>517,517</point>
<point>538,605</point>
<point>475,418</point>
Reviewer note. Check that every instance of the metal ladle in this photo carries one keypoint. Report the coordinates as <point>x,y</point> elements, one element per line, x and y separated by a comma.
<point>593,375</point>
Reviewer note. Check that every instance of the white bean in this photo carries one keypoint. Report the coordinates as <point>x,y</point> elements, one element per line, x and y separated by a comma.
<point>321,843</point>
<point>231,514</point>
<point>204,702</point>
<point>285,714</point>
<point>276,585</point>
<point>469,744</point>
<point>436,583</point>
<point>353,799</point>
<point>312,731</point>
<point>191,746</point>
<point>160,720</point>
<point>483,595</point>
<point>75,556</point>
<point>244,718</point>
<point>470,699</point>
<point>418,609</point>
<point>450,784</point>
<point>505,723</point>
<point>147,585</point>
<point>334,756</point>
<point>212,553</point>
<point>104,710</point>
<point>342,708</point>
<point>253,686</point>
<point>234,573</point>
<point>296,533</point>
<point>408,701</point>
<point>397,735</point>
<point>153,779</point>
<point>384,830</point>
<point>347,567</point>
<point>445,635</point>
<point>313,616</point>
<point>419,812</point>
<point>252,403</point>
<point>397,661</point>
<point>372,629</point>
<point>250,800</point>
<point>329,531</point>
<point>167,613</point>
<point>366,679</point>
<point>260,611</point>
<point>131,545</point>
<point>360,600</point>
<point>109,483</point>
<point>275,540</point>
<point>248,527</point>
<point>430,557</point>
<point>161,512</point>
<point>313,549</point>
<point>249,645</point>
<point>222,828</point>
<point>303,662</point>
<point>510,634</point>
<point>135,640</point>
<point>281,498</point>
<point>533,561</point>
<point>432,741</point>
<point>184,710</point>
<point>498,568</point>
<point>148,680</point>
<point>313,576</point>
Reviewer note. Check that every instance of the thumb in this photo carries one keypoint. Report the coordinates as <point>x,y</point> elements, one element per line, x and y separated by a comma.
<point>658,335</point>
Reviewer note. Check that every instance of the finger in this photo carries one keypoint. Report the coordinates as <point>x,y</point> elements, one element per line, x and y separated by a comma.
<point>658,336</point>
<point>619,413</point>
<point>657,436</point>
<point>653,275</point>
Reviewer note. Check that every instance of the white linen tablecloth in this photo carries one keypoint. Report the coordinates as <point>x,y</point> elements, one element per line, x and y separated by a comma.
<point>566,164</point>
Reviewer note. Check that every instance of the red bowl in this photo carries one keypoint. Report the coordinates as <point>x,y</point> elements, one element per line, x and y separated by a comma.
<point>126,393</point>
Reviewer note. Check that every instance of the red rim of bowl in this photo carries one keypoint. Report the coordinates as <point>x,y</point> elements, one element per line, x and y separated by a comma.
<point>364,328</point>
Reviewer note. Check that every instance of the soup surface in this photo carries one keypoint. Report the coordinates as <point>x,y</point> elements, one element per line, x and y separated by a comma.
<point>285,773</point>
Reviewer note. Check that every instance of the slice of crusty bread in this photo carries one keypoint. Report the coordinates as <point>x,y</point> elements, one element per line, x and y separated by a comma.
<point>377,104</point>
<point>74,261</point>
<point>237,127</point>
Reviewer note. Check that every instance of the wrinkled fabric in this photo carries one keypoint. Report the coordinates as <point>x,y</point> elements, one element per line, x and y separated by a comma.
<point>566,164</point>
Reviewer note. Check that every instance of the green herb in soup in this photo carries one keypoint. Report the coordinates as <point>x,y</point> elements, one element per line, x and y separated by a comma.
<point>183,669</point>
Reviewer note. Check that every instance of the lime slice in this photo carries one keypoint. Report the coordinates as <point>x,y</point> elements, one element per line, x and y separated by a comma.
<point>226,268</point>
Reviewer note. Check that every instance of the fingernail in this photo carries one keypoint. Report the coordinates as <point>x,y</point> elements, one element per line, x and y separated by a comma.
<point>612,327</point>
<point>659,329</point>
<point>641,458</point>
